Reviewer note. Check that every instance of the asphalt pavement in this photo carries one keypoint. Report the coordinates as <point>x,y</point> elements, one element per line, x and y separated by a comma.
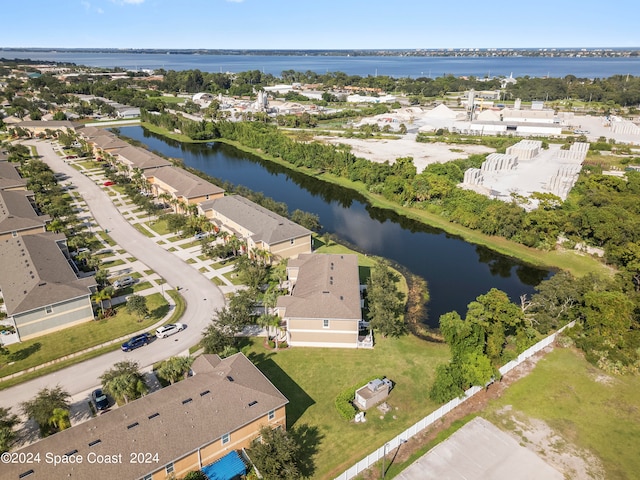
<point>202,296</point>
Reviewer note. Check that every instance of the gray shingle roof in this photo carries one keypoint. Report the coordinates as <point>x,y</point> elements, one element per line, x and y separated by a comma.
<point>35,273</point>
<point>265,225</point>
<point>185,183</point>
<point>17,213</point>
<point>10,177</point>
<point>109,141</point>
<point>328,286</point>
<point>171,422</point>
<point>141,158</point>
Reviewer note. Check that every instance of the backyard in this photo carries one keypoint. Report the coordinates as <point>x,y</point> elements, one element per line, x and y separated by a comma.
<point>311,378</point>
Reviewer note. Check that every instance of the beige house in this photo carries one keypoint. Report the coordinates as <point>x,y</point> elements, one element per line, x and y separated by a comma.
<point>133,157</point>
<point>107,143</point>
<point>323,308</point>
<point>182,186</point>
<point>261,228</point>
<point>180,428</point>
<point>18,214</point>
<point>37,127</point>
<point>41,291</point>
<point>10,178</point>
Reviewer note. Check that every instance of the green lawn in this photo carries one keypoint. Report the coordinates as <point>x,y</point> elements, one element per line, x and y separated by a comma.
<point>232,276</point>
<point>74,339</point>
<point>584,406</point>
<point>143,230</point>
<point>311,378</point>
<point>159,226</point>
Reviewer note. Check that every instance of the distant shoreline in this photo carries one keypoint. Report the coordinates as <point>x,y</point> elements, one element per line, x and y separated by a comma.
<point>415,52</point>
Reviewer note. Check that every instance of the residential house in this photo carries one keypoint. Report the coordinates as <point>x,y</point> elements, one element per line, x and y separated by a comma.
<point>261,228</point>
<point>139,158</point>
<point>19,215</point>
<point>37,127</point>
<point>41,291</point>
<point>180,428</point>
<point>10,178</point>
<point>107,143</point>
<point>182,186</point>
<point>323,307</point>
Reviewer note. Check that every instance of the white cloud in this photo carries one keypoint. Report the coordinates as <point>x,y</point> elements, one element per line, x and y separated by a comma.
<point>99,10</point>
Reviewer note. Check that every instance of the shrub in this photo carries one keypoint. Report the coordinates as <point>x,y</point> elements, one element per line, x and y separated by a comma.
<point>344,400</point>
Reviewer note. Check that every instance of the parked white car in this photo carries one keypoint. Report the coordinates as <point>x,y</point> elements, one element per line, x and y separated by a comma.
<point>123,282</point>
<point>169,329</point>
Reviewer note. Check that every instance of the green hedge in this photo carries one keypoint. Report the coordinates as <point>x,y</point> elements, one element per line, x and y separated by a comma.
<point>344,400</point>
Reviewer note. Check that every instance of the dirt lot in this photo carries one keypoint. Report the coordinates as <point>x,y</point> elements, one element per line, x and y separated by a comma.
<point>423,153</point>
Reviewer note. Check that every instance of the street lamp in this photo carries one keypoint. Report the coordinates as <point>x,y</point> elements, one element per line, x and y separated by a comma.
<point>384,454</point>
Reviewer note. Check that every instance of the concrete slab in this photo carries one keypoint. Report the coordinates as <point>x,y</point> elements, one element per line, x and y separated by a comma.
<point>480,451</point>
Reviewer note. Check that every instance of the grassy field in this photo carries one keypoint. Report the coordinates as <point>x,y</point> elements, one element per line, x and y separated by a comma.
<point>56,345</point>
<point>584,406</point>
<point>311,378</point>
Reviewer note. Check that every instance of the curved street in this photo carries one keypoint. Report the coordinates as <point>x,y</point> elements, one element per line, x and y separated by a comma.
<point>201,295</point>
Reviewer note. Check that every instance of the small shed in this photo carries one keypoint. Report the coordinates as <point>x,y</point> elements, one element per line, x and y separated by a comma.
<point>372,393</point>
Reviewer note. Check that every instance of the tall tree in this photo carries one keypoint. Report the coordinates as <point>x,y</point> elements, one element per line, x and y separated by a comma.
<point>8,421</point>
<point>276,454</point>
<point>174,369</point>
<point>385,301</point>
<point>41,408</point>
<point>124,382</point>
<point>137,305</point>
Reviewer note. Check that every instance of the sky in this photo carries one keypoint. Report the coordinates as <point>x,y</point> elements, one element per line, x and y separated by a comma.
<point>323,24</point>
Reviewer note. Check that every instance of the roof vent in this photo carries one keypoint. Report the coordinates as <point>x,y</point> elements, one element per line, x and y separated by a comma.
<point>230,378</point>
<point>255,402</point>
<point>26,474</point>
<point>187,400</point>
<point>95,442</point>
<point>133,425</point>
<point>153,415</point>
<point>206,392</point>
<point>341,297</point>
<point>72,452</point>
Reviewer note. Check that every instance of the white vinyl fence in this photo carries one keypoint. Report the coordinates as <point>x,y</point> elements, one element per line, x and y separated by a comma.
<point>388,447</point>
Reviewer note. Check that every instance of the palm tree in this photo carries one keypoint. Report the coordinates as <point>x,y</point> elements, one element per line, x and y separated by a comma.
<point>124,382</point>
<point>235,244</point>
<point>174,368</point>
<point>60,419</point>
<point>102,295</point>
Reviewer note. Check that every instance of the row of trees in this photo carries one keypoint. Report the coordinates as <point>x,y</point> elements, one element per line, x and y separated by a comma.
<point>495,330</point>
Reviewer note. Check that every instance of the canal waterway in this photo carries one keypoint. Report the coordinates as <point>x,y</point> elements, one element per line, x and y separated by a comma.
<point>456,271</point>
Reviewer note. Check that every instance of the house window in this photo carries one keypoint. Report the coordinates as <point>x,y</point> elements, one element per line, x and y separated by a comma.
<point>272,414</point>
<point>292,240</point>
<point>48,309</point>
<point>325,323</point>
<point>148,477</point>
<point>168,468</point>
<point>14,234</point>
<point>225,438</point>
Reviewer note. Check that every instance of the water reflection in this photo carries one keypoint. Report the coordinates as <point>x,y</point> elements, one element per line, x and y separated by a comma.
<point>456,271</point>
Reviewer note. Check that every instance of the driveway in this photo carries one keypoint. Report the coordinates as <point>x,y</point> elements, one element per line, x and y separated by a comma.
<point>201,294</point>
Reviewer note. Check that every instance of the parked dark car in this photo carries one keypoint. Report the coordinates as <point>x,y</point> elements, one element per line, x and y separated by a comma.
<point>135,342</point>
<point>100,400</point>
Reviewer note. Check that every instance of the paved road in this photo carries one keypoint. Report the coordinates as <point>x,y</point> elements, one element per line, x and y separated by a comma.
<point>202,295</point>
